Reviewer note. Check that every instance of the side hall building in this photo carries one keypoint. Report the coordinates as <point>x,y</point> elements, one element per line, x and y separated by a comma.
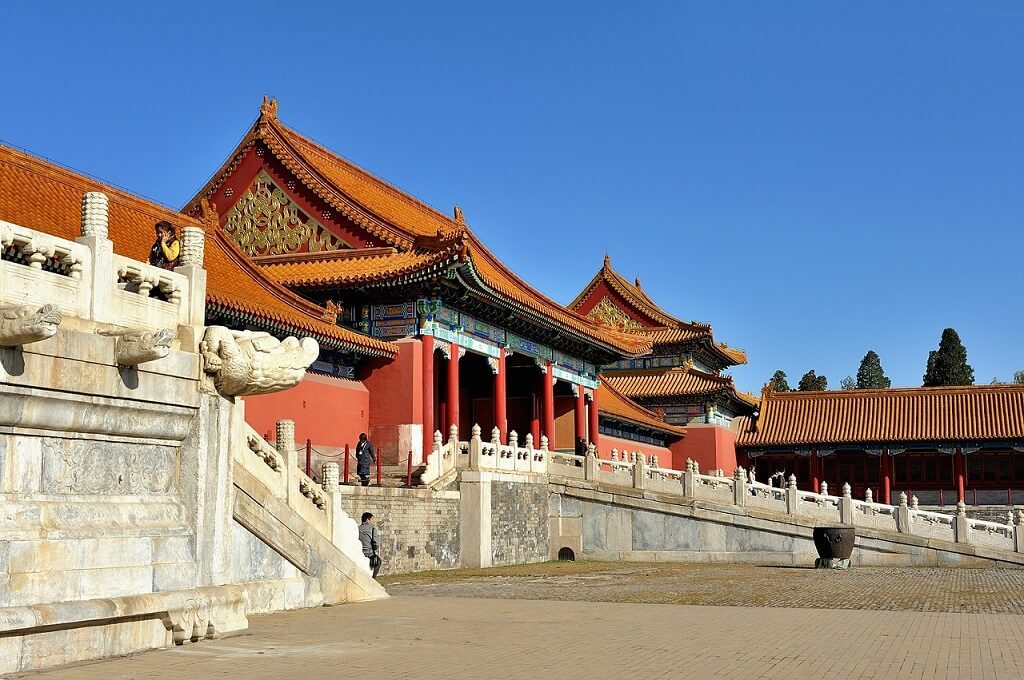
<point>941,444</point>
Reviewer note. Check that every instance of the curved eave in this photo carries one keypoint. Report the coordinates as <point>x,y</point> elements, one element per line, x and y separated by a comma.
<point>476,281</point>
<point>277,327</point>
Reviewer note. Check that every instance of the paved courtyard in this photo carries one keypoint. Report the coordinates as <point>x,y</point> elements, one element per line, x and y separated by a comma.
<point>471,637</point>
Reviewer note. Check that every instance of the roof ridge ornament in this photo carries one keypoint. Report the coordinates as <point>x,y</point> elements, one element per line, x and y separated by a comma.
<point>768,389</point>
<point>459,217</point>
<point>208,213</point>
<point>268,109</point>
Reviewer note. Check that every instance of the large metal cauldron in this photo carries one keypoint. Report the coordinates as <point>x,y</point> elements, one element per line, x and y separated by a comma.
<point>834,545</point>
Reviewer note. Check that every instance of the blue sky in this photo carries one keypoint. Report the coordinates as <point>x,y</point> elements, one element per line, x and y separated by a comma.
<point>815,178</point>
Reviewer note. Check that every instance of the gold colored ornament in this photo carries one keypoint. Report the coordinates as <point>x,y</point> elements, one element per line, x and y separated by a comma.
<point>607,312</point>
<point>265,221</point>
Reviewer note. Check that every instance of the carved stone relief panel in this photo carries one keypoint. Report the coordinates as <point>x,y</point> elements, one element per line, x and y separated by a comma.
<point>95,467</point>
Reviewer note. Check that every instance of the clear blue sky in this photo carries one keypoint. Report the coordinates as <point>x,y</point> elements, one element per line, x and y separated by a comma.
<point>815,178</point>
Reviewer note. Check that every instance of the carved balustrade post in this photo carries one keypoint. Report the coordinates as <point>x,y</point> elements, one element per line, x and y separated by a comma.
<point>690,480</point>
<point>285,444</point>
<point>639,472</point>
<point>330,475</point>
<point>590,463</point>
<point>475,446</point>
<point>961,527</point>
<point>739,486</point>
<point>1018,531</point>
<point>190,264</point>
<point>903,524</point>
<point>846,505</point>
<point>792,499</point>
<point>99,275</point>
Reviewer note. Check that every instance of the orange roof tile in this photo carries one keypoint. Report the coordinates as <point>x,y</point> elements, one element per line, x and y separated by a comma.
<point>347,267</point>
<point>410,225</point>
<point>906,415</point>
<point>40,195</point>
<point>674,382</point>
<point>617,405</point>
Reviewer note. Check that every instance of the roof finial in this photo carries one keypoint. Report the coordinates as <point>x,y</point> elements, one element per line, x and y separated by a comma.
<point>607,259</point>
<point>637,282</point>
<point>459,217</point>
<point>208,213</point>
<point>268,109</point>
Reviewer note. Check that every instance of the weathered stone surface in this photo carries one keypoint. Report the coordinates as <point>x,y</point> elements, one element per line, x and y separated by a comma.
<point>247,363</point>
<point>519,522</point>
<point>419,530</point>
<point>92,467</point>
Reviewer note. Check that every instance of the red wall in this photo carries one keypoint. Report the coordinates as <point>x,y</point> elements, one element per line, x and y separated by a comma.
<point>396,400</point>
<point>330,411</point>
<point>712,446</point>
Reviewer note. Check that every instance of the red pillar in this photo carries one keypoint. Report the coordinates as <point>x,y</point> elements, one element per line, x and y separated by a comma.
<point>549,406</point>
<point>593,418</point>
<point>580,415</point>
<point>886,479</point>
<point>535,419</point>
<point>500,414</point>
<point>815,472</point>
<point>452,397</point>
<point>428,395</point>
<point>959,470</point>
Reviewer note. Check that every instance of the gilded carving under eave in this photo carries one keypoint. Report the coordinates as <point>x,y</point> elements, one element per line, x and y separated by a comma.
<point>607,312</point>
<point>265,221</point>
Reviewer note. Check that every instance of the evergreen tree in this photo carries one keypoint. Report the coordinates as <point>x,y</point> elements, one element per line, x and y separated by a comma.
<point>870,375</point>
<point>1018,378</point>
<point>847,383</point>
<point>779,382</point>
<point>948,364</point>
<point>812,383</point>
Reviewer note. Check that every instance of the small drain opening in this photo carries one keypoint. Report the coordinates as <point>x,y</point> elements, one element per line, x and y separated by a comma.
<point>566,555</point>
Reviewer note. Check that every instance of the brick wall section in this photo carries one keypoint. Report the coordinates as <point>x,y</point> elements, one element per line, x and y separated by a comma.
<point>519,523</point>
<point>419,529</point>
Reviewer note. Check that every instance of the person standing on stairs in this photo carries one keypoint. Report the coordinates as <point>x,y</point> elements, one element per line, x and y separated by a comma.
<point>364,459</point>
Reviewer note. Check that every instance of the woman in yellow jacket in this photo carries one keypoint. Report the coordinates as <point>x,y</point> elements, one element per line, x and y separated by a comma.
<point>166,248</point>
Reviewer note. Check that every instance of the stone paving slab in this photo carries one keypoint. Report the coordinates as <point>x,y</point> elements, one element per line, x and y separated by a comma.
<point>407,637</point>
<point>988,591</point>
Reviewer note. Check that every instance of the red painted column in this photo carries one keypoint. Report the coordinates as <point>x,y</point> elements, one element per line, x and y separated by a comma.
<point>535,418</point>
<point>580,415</point>
<point>452,397</point>
<point>549,406</point>
<point>428,394</point>
<point>593,418</point>
<point>959,471</point>
<point>886,479</point>
<point>815,472</point>
<point>500,414</point>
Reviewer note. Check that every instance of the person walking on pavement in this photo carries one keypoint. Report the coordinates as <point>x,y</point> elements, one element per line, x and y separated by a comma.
<point>364,458</point>
<point>370,538</point>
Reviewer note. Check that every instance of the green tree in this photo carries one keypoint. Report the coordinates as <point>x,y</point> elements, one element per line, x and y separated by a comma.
<point>948,364</point>
<point>1018,378</point>
<point>848,383</point>
<point>870,375</point>
<point>779,382</point>
<point>812,383</point>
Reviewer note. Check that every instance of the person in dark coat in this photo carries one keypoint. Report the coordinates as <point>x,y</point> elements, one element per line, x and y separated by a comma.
<point>364,459</point>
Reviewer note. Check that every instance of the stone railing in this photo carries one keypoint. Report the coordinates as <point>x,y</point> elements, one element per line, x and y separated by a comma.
<point>636,471</point>
<point>277,468</point>
<point>86,280</point>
